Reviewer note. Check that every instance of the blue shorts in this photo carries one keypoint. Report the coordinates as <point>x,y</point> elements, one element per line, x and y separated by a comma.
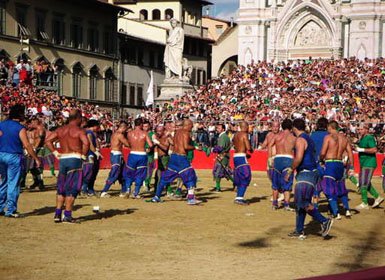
<point>334,169</point>
<point>135,169</point>
<point>304,188</point>
<point>242,171</point>
<point>334,172</point>
<point>282,164</point>
<point>179,167</point>
<point>117,163</point>
<point>69,181</point>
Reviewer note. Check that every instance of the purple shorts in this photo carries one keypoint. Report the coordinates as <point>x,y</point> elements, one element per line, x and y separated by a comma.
<point>69,181</point>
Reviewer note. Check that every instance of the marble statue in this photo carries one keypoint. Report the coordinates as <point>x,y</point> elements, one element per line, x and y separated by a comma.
<point>173,52</point>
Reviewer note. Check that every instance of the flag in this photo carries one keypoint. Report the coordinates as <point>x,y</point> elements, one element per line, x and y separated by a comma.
<point>150,91</point>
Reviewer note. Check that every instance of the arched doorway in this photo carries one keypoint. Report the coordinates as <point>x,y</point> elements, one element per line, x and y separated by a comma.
<point>307,30</point>
<point>228,66</point>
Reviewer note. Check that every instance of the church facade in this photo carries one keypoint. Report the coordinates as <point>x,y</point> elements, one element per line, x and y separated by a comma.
<point>281,30</point>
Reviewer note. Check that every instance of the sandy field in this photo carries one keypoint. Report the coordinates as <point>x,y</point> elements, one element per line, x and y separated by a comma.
<point>132,239</point>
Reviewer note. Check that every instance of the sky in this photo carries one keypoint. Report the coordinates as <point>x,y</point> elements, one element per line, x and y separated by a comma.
<point>224,9</point>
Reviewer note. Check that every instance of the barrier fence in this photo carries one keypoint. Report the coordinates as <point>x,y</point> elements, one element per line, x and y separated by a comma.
<point>257,161</point>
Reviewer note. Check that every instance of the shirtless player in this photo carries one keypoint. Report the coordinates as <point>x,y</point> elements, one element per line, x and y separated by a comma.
<point>162,158</point>
<point>305,164</point>
<point>36,136</point>
<point>179,166</point>
<point>274,131</point>
<point>135,169</point>
<point>333,148</point>
<point>118,139</point>
<point>74,147</point>
<point>92,164</point>
<point>284,143</point>
<point>242,171</point>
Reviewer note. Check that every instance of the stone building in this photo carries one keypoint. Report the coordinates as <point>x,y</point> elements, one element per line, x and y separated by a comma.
<point>295,29</point>
<point>78,38</point>
<point>143,35</point>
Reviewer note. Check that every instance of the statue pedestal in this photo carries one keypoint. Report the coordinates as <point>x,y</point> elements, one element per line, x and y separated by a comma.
<point>171,89</point>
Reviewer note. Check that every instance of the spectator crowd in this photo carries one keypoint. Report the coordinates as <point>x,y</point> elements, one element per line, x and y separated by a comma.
<point>347,90</point>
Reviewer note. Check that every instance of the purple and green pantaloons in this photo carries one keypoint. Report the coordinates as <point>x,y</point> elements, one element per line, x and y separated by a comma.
<point>46,157</point>
<point>150,171</point>
<point>365,178</point>
<point>70,177</point>
<point>222,170</point>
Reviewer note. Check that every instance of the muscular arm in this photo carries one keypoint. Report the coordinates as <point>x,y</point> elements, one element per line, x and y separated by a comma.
<point>85,142</point>
<point>270,147</point>
<point>324,149</point>
<point>27,145</point>
<point>247,143</point>
<point>300,147</point>
<point>266,141</point>
<point>124,140</point>
<point>186,143</point>
<point>50,140</point>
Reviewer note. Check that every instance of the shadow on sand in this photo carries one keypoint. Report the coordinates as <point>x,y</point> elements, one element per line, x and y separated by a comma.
<point>106,214</point>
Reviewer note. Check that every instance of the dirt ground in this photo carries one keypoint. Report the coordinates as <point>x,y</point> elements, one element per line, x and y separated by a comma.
<point>132,239</point>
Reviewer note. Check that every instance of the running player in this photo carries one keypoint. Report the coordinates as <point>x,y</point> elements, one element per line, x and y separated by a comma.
<point>118,139</point>
<point>74,147</point>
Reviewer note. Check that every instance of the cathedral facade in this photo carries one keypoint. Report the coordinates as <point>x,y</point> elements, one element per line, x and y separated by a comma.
<point>281,30</point>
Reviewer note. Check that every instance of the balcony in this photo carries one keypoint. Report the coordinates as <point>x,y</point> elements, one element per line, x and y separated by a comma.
<point>49,81</point>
